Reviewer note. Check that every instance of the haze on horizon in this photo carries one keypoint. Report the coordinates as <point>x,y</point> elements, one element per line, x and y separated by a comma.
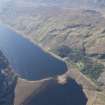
<point>90,4</point>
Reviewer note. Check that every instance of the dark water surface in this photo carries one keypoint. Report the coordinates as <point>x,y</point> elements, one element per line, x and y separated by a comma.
<point>30,61</point>
<point>56,94</point>
<point>33,63</point>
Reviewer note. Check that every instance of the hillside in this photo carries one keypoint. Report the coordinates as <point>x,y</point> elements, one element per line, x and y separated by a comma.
<point>77,35</point>
<point>27,92</point>
<point>77,31</point>
<point>7,82</point>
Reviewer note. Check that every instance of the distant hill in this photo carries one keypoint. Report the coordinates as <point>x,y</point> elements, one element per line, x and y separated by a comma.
<point>96,4</point>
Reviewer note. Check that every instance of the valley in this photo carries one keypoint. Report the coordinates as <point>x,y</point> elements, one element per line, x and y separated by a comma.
<point>66,29</point>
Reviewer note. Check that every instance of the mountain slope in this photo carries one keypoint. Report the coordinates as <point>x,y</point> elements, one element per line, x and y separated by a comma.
<point>77,35</point>
<point>7,82</point>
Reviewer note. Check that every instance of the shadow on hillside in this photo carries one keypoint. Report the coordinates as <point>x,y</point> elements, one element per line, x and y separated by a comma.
<point>11,92</point>
<point>8,82</point>
<point>7,93</point>
<point>56,94</point>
